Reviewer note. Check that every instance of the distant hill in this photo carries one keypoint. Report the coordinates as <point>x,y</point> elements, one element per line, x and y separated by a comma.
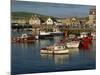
<point>27,15</point>
<point>15,15</point>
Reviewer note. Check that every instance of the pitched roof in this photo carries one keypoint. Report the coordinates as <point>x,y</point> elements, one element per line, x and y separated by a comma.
<point>42,18</point>
<point>35,17</point>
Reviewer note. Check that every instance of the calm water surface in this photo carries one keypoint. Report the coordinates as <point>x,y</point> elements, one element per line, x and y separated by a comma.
<point>26,58</point>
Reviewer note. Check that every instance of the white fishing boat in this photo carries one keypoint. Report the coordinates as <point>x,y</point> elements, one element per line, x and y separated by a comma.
<point>55,49</point>
<point>83,34</point>
<point>43,35</point>
<point>73,44</point>
<point>56,33</point>
<point>93,34</point>
<point>71,36</point>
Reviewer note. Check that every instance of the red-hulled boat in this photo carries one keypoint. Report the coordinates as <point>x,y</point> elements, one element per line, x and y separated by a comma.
<point>25,38</point>
<point>85,42</point>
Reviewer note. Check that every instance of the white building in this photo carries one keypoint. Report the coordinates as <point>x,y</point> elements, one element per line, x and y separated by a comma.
<point>92,16</point>
<point>21,21</point>
<point>49,21</point>
<point>34,20</point>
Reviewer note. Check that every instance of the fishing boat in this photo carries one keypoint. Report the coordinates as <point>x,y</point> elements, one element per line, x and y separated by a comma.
<point>44,34</point>
<point>24,38</point>
<point>57,32</point>
<point>71,36</point>
<point>86,42</point>
<point>93,34</point>
<point>55,49</point>
<point>83,34</point>
<point>73,44</point>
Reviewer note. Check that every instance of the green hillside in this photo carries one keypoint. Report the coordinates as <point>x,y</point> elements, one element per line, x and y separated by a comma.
<point>27,15</point>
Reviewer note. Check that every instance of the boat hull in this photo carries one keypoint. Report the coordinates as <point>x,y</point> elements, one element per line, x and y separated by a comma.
<point>73,45</point>
<point>57,33</point>
<point>23,40</point>
<point>66,51</point>
<point>44,36</point>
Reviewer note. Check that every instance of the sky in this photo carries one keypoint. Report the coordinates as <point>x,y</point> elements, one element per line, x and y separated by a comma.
<point>51,9</point>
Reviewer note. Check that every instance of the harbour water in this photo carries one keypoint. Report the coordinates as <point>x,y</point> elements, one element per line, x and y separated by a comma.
<point>26,58</point>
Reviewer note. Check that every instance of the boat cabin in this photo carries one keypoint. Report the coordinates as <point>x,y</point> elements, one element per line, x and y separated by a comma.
<point>71,36</point>
<point>83,34</point>
<point>24,36</point>
<point>60,47</point>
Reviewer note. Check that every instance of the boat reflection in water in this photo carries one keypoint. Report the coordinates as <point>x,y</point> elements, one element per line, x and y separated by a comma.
<point>60,59</point>
<point>74,51</point>
<point>57,59</point>
<point>24,45</point>
<point>26,58</point>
